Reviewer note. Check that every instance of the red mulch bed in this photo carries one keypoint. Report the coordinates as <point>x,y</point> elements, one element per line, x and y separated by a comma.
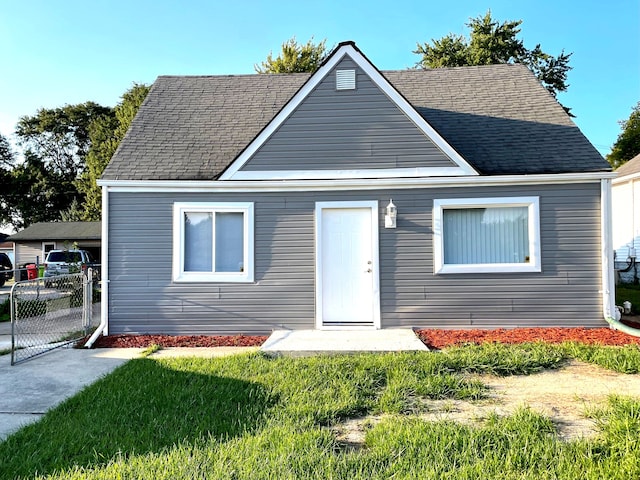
<point>130,341</point>
<point>435,338</point>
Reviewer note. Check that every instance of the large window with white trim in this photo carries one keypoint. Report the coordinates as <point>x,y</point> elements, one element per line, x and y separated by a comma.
<point>213,242</point>
<point>477,235</point>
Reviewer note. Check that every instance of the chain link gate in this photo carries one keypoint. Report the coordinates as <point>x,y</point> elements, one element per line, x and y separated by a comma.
<point>51,312</point>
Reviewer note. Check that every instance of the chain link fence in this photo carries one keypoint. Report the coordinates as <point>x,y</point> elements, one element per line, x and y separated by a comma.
<point>52,312</point>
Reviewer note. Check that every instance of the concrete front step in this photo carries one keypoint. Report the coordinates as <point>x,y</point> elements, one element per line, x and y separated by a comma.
<point>314,342</point>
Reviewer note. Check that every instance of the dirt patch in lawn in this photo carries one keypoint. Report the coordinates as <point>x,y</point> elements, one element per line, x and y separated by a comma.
<point>564,395</point>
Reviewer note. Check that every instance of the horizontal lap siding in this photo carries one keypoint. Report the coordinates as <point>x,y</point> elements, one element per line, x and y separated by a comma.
<point>565,293</point>
<point>144,299</point>
<point>345,130</point>
<point>27,252</point>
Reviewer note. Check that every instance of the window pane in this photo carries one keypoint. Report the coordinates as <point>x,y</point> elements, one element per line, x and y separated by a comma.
<point>229,242</point>
<point>198,241</point>
<point>486,235</point>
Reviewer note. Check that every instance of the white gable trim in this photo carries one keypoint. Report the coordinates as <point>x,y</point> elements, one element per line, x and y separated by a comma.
<point>346,50</point>
<point>335,174</point>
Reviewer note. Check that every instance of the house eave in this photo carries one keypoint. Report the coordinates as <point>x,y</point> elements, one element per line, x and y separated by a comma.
<point>619,179</point>
<point>348,184</point>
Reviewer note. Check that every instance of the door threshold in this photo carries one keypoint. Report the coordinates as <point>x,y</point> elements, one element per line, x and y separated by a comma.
<point>346,326</point>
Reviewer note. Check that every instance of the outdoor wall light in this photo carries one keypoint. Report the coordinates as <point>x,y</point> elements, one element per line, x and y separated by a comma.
<point>390,215</point>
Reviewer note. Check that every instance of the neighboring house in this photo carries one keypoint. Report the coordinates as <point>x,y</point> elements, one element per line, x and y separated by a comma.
<point>625,196</point>
<point>257,202</point>
<point>34,242</point>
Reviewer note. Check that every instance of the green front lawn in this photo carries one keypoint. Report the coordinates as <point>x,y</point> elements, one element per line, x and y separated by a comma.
<point>256,418</point>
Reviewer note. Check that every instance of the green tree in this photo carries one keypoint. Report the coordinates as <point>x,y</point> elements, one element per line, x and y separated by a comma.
<point>34,193</point>
<point>60,136</point>
<point>55,143</point>
<point>6,180</point>
<point>627,145</point>
<point>295,58</point>
<point>105,134</point>
<point>491,42</point>
<point>6,153</point>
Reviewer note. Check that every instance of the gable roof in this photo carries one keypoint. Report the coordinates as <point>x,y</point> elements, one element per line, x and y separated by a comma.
<point>497,117</point>
<point>59,231</point>
<point>355,58</point>
<point>629,168</point>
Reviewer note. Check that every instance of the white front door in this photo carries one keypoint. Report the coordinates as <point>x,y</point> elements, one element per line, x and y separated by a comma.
<point>347,264</point>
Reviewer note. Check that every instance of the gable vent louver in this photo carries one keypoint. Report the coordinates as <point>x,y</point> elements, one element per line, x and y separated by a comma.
<point>345,79</point>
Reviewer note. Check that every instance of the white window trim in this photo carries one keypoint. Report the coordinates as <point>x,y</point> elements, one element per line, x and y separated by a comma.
<point>179,275</point>
<point>44,245</point>
<point>533,204</point>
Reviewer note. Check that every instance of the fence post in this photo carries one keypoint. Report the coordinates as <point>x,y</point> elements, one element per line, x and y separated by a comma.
<point>86,291</point>
<point>89,302</point>
<point>12,300</point>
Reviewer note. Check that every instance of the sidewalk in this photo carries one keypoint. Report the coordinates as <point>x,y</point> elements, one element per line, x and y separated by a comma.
<point>297,343</point>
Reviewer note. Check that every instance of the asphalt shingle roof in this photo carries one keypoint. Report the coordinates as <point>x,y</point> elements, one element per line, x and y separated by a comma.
<point>59,231</point>
<point>630,167</point>
<point>498,117</point>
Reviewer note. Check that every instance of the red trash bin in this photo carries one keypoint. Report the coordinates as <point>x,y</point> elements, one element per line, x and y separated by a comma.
<point>32,271</point>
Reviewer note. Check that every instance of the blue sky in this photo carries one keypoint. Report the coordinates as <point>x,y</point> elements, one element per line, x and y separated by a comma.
<point>66,52</point>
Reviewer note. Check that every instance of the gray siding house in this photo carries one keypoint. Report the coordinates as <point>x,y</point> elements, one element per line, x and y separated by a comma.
<point>355,198</point>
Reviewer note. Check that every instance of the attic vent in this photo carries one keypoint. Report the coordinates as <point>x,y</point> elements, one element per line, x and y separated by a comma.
<point>345,79</point>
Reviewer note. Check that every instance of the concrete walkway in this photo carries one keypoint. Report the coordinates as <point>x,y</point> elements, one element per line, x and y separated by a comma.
<point>313,342</point>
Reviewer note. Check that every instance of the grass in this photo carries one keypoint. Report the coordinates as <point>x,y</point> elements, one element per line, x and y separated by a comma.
<point>629,292</point>
<point>260,418</point>
<point>5,311</point>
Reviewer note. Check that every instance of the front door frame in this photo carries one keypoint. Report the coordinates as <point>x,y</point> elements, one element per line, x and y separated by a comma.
<point>375,267</point>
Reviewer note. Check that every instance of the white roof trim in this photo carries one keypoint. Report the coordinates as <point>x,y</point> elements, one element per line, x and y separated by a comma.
<point>625,178</point>
<point>348,184</point>
<point>336,174</point>
<point>379,80</point>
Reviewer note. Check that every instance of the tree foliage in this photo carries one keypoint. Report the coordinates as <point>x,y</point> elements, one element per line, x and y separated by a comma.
<point>6,165</point>
<point>105,134</point>
<point>295,58</point>
<point>65,151</point>
<point>627,145</point>
<point>55,143</point>
<point>60,136</point>
<point>491,42</point>
<point>33,193</point>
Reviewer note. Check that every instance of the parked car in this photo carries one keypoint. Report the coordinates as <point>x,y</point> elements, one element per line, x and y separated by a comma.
<point>64,262</point>
<point>6,268</point>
